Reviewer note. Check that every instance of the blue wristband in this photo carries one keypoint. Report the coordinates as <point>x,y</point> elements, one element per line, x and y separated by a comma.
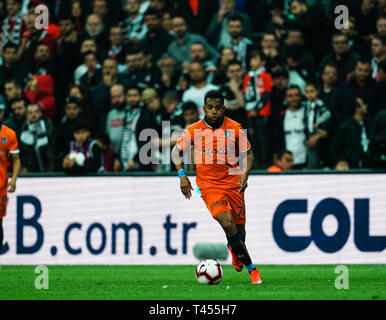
<point>181,173</point>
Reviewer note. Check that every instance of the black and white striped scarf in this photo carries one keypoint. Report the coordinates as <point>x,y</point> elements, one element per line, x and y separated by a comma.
<point>14,36</point>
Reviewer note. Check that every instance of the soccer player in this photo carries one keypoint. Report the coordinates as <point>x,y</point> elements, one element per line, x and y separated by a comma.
<point>8,145</point>
<point>217,141</point>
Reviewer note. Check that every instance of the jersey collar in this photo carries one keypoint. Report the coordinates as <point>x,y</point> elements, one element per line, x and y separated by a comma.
<point>208,125</point>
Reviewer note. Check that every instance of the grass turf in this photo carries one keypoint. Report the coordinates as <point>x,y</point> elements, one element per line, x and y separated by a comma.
<point>179,283</point>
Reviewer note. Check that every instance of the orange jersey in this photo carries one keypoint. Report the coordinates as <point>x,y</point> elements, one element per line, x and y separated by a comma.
<point>8,145</point>
<point>216,152</point>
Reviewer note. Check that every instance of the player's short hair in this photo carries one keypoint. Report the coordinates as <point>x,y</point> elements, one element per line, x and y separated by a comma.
<point>214,95</point>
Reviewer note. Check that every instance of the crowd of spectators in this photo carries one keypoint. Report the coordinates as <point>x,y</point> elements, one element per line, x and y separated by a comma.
<point>79,92</point>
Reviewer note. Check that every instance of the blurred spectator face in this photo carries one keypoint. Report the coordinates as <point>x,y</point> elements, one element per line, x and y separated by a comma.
<point>381,26</point>
<point>293,98</point>
<point>367,6</point>
<point>132,7</point>
<point>72,110</point>
<point>330,76</point>
<point>340,44</point>
<point>311,93</point>
<point>167,21</point>
<point>179,27</point>
<point>88,45</point>
<point>197,52</point>
<point>190,116</point>
<point>12,7</point>
<point>12,91</point>
<point>197,72</point>
<point>227,54</point>
<point>116,36</point>
<point>117,94</point>
<point>154,104</point>
<point>10,56</point>
<point>294,37</point>
<point>167,65</point>
<point>76,10</point>
<point>297,8</point>
<point>94,25</point>
<point>42,53</point>
<point>152,22</point>
<point>133,97</point>
<point>268,42</point>
<point>90,61</point>
<point>140,60</point>
<point>256,62</point>
<point>235,72</point>
<point>100,7</point>
<point>110,67</point>
<point>377,48</point>
<point>362,72</point>
<point>34,114</point>
<point>235,28</point>
<point>19,110</point>
<point>131,62</point>
<point>280,82</point>
<point>157,4</point>
<point>81,136</point>
<point>66,27</point>
<point>286,162</point>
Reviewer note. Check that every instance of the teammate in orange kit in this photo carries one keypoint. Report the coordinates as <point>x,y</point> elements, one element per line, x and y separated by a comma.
<point>8,145</point>
<point>218,142</point>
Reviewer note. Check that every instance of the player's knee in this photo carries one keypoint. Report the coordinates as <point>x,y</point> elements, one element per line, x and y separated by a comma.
<point>227,223</point>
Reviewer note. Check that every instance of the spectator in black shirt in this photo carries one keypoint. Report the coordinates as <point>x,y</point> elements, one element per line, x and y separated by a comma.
<point>351,141</point>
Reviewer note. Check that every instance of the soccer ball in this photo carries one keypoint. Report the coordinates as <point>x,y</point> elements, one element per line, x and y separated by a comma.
<point>209,272</point>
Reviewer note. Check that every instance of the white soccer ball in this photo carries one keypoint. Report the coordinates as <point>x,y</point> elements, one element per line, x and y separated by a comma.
<point>209,272</point>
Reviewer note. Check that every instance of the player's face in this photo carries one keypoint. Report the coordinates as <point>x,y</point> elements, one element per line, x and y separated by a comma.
<point>214,110</point>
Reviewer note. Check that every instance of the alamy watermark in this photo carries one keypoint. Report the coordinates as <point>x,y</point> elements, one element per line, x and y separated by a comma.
<point>342,280</point>
<point>43,17</point>
<point>342,20</point>
<point>42,280</point>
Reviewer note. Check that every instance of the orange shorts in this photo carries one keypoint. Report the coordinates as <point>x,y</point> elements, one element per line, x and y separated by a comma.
<point>3,202</point>
<point>222,200</point>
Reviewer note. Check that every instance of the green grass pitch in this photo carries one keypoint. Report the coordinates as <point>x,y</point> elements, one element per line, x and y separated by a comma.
<point>179,283</point>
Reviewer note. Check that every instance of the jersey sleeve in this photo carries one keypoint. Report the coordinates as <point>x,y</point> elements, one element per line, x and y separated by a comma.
<point>13,144</point>
<point>241,139</point>
<point>186,139</point>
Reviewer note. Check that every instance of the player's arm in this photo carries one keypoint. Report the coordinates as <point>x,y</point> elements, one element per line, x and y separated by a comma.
<point>186,187</point>
<point>243,181</point>
<point>15,171</point>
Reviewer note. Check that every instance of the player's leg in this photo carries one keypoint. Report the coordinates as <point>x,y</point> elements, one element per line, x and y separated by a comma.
<point>225,219</point>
